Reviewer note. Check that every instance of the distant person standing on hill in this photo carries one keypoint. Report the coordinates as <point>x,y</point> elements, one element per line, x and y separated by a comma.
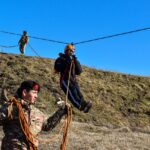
<point>23,41</point>
<point>22,121</point>
<point>67,63</point>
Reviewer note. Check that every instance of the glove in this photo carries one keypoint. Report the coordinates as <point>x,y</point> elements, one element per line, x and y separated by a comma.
<point>60,103</point>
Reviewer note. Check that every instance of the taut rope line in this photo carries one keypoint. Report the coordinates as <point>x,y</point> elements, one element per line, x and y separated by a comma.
<point>69,114</point>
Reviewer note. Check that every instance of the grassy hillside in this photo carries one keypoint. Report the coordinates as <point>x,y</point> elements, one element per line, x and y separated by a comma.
<point>118,99</point>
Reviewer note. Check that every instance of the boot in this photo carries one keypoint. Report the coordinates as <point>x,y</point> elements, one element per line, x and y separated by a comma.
<point>87,107</point>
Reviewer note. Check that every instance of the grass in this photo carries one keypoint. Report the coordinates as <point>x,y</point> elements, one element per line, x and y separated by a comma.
<point>118,99</point>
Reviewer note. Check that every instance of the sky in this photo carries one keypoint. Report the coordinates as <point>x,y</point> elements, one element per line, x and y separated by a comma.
<point>80,20</point>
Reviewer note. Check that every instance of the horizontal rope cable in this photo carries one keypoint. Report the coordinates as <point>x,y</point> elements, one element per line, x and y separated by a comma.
<point>86,41</point>
<point>111,36</point>
<point>34,37</point>
<point>4,46</point>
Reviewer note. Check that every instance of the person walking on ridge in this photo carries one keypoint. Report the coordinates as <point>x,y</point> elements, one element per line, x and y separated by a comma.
<point>23,41</point>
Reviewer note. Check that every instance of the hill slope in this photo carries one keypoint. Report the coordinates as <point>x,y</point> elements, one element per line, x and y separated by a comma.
<point>119,100</point>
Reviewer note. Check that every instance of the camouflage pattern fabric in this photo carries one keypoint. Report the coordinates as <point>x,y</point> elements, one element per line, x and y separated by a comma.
<point>14,138</point>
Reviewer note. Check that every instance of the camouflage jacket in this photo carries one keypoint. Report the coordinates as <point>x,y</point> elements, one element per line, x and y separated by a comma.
<point>14,138</point>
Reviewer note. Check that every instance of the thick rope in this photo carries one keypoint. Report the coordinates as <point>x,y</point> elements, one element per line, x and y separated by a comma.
<point>66,128</point>
<point>69,114</point>
<point>24,125</point>
<point>68,82</point>
<point>68,119</point>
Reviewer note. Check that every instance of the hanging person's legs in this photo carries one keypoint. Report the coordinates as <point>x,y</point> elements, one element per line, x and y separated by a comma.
<point>72,96</point>
<point>85,107</point>
<point>76,97</point>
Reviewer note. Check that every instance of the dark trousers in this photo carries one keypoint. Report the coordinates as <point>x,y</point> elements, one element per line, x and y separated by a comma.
<point>74,94</point>
<point>21,48</point>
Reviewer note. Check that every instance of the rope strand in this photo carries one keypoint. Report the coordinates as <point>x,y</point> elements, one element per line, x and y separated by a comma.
<point>34,50</point>
<point>82,42</point>
<point>111,36</point>
<point>34,37</point>
<point>11,46</point>
<point>69,114</point>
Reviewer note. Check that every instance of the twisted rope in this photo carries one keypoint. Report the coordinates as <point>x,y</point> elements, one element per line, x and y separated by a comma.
<point>68,118</point>
<point>24,125</point>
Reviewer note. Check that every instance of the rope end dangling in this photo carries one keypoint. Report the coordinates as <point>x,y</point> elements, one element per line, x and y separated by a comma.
<point>68,117</point>
<point>66,127</point>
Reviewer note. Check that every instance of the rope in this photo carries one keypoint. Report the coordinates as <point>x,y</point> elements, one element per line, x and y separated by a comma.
<point>68,82</point>
<point>66,128</point>
<point>12,46</point>
<point>69,114</point>
<point>111,36</point>
<point>24,125</point>
<point>34,37</point>
<point>34,50</point>
<point>86,41</point>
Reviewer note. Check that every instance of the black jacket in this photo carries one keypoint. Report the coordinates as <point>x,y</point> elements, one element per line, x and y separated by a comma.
<point>62,65</point>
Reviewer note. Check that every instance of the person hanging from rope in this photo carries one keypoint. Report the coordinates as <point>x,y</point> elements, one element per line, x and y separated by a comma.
<point>65,63</point>
<point>23,41</point>
<point>22,121</point>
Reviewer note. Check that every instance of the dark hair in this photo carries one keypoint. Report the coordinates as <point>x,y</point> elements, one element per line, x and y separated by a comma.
<point>24,32</point>
<point>27,85</point>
